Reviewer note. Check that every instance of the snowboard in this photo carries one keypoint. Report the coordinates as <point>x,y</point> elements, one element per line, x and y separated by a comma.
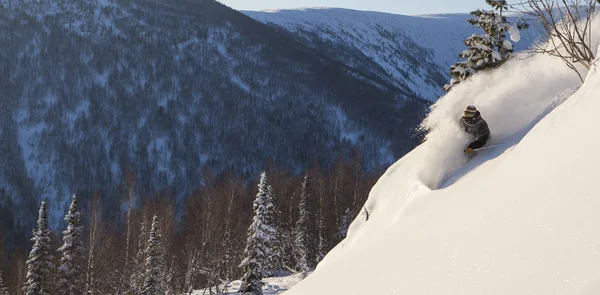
<point>475,151</point>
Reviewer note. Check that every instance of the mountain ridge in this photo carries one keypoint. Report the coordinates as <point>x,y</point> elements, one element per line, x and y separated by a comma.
<point>412,52</point>
<point>166,89</point>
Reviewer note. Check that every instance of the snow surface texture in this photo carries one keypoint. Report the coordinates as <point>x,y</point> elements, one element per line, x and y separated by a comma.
<point>521,218</point>
<point>390,40</point>
<point>273,286</point>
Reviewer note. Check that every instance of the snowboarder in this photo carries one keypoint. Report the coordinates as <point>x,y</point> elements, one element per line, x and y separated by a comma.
<point>476,126</point>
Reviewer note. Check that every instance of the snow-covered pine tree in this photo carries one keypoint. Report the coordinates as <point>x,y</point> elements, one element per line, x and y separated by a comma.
<point>138,274</point>
<point>258,248</point>
<point>287,246</point>
<point>488,50</point>
<point>229,254</point>
<point>71,269</point>
<point>40,263</point>
<point>153,266</point>
<point>322,242</point>
<point>273,263</point>
<point>168,273</point>
<point>345,224</point>
<point>3,288</point>
<point>302,229</point>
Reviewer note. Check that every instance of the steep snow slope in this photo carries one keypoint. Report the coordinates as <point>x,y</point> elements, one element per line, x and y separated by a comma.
<point>518,219</point>
<point>414,52</point>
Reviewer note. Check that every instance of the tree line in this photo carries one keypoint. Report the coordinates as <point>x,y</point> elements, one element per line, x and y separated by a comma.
<point>228,229</point>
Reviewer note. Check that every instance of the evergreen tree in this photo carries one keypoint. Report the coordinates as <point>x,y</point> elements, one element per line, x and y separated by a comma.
<point>153,267</point>
<point>287,247</point>
<point>273,264</point>
<point>345,224</point>
<point>260,235</point>
<point>322,242</point>
<point>3,288</point>
<point>70,269</point>
<point>488,50</point>
<point>40,262</point>
<point>229,254</point>
<point>137,275</point>
<point>302,246</point>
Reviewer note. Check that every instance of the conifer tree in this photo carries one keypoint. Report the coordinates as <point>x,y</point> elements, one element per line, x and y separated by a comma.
<point>40,263</point>
<point>70,269</point>
<point>273,263</point>
<point>3,288</point>
<point>287,247</point>
<point>138,274</point>
<point>345,224</point>
<point>488,50</point>
<point>229,254</point>
<point>322,242</point>
<point>260,235</point>
<point>302,229</point>
<point>153,266</point>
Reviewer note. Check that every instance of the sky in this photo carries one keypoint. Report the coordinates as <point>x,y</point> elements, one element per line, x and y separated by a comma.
<point>409,7</point>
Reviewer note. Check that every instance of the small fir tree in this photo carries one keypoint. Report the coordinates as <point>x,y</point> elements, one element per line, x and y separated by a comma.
<point>302,229</point>
<point>488,50</point>
<point>260,235</point>
<point>40,263</point>
<point>273,263</point>
<point>70,269</point>
<point>345,224</point>
<point>322,241</point>
<point>138,273</point>
<point>154,258</point>
<point>3,288</point>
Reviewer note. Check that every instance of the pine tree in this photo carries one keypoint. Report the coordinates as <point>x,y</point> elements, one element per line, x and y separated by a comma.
<point>287,247</point>
<point>273,263</point>
<point>488,50</point>
<point>40,262</point>
<point>153,267</point>
<point>302,229</point>
<point>345,224</point>
<point>168,273</point>
<point>260,235</point>
<point>137,275</point>
<point>70,269</point>
<point>322,242</point>
<point>3,288</point>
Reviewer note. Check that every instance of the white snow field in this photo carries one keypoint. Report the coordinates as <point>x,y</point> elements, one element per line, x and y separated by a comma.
<point>522,218</point>
<point>273,286</point>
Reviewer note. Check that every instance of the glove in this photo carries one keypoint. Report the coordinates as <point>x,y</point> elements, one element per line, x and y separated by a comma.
<point>468,151</point>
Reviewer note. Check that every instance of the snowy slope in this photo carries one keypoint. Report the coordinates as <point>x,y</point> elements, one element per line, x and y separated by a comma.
<point>414,51</point>
<point>521,218</point>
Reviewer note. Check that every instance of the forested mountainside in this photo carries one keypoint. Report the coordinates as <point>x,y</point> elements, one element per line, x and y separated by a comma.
<point>166,89</point>
<point>413,53</point>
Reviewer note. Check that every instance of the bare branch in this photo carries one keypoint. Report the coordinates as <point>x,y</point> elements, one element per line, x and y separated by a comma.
<point>567,28</point>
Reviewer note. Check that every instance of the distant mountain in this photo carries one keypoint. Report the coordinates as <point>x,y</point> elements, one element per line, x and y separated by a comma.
<point>414,53</point>
<point>169,88</point>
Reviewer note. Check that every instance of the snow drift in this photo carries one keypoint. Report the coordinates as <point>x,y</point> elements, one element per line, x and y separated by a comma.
<point>521,218</point>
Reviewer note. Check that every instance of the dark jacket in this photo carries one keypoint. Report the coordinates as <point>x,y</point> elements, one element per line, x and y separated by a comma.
<point>478,128</point>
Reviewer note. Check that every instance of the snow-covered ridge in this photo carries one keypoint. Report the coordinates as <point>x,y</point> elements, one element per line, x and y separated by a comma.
<point>414,52</point>
<point>521,218</point>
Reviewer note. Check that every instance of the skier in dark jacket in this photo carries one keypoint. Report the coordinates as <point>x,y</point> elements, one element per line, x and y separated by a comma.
<point>476,126</point>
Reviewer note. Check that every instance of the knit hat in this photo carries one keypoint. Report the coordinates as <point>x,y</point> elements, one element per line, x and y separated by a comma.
<point>470,111</point>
